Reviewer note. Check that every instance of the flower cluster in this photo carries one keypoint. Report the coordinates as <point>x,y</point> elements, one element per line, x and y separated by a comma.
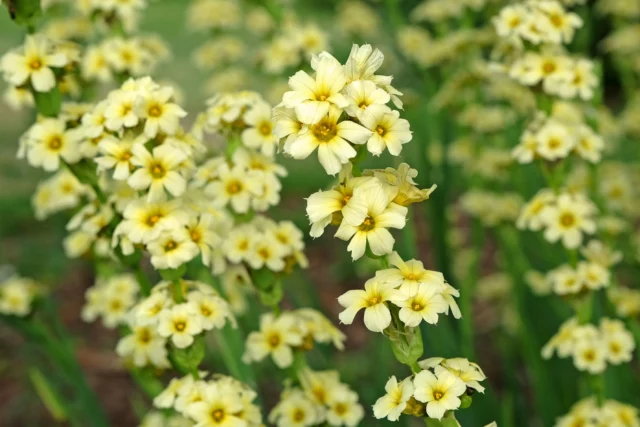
<point>158,319</point>
<point>566,217</point>
<point>610,413</point>
<point>17,295</point>
<point>365,207</point>
<point>279,336</point>
<point>419,295</point>
<point>320,398</point>
<point>546,25</point>
<point>216,401</point>
<point>591,347</point>
<point>556,137</point>
<point>441,385</point>
<point>339,109</point>
<point>111,300</point>
<point>113,57</point>
<point>587,276</point>
<point>538,22</point>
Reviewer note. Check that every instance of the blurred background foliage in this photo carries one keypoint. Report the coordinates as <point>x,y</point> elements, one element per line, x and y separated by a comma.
<point>522,389</point>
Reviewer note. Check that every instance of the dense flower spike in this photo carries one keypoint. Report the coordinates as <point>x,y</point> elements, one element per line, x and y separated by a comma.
<point>188,227</point>
<point>325,111</point>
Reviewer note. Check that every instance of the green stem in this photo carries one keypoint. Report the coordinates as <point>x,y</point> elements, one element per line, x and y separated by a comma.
<point>467,291</point>
<point>545,394</point>
<point>143,280</point>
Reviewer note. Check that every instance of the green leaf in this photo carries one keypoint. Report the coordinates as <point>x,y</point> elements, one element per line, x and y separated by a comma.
<point>24,12</point>
<point>264,278</point>
<point>48,103</point>
<point>48,395</point>
<point>406,344</point>
<point>187,360</point>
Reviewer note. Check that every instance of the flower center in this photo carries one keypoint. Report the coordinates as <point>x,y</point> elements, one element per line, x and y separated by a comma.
<point>153,220</point>
<point>368,224</point>
<point>144,336</point>
<point>554,143</point>
<point>217,415</point>
<point>155,111</point>
<point>416,306</point>
<point>514,22</point>
<point>340,408</point>
<point>298,415</point>
<point>548,67</point>
<point>35,64</point>
<point>195,235</point>
<point>321,97</point>
<point>157,170</point>
<point>567,219</point>
<point>264,253</point>
<point>374,300</point>
<point>206,310</point>
<point>180,325</point>
<point>437,395</point>
<point>381,131</point>
<point>274,340</point>
<point>265,128</point>
<point>55,143</point>
<point>234,187</point>
<point>324,132</point>
<point>556,20</point>
<point>170,245</point>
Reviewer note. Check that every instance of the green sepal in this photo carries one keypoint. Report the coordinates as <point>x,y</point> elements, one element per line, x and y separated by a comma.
<point>187,360</point>
<point>406,342</point>
<point>173,274</point>
<point>465,401</point>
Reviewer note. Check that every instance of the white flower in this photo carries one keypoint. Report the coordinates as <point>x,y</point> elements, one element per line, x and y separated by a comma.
<point>410,274</point>
<point>368,223</point>
<point>172,248</point>
<point>362,94</point>
<point>312,97</point>
<point>259,134</point>
<point>343,408</point>
<point>276,337</point>
<point>144,346</point>
<point>555,141</point>
<point>117,154</point>
<point>159,112</point>
<point>181,324</point>
<point>388,130</point>
<point>50,143</point>
<point>34,63</point>
<point>217,408</point>
<point>423,303</point>
<point>373,299</point>
<point>393,403</point>
<point>567,220</point>
<point>236,187</point>
<point>441,392</point>
<point>158,171</point>
<point>331,138</point>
